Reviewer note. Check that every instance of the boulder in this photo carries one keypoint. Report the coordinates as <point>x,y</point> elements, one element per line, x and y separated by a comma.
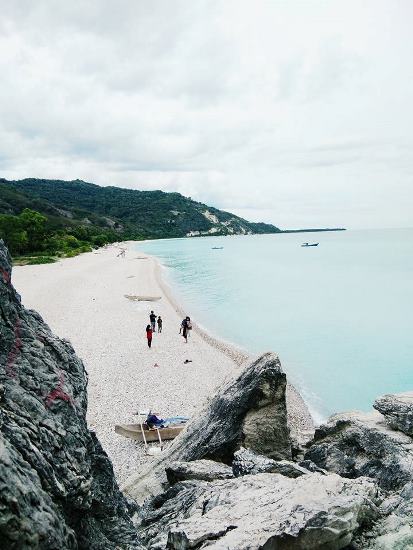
<point>246,462</point>
<point>362,444</point>
<point>248,411</point>
<point>57,487</point>
<point>397,409</point>
<point>205,470</point>
<point>394,530</point>
<point>259,511</point>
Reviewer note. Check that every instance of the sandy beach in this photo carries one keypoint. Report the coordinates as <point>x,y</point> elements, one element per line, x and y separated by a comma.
<point>94,300</point>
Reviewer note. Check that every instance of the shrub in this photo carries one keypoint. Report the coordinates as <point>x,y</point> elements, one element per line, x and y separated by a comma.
<point>41,260</point>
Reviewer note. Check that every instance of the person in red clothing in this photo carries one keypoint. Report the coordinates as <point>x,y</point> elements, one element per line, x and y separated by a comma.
<point>149,335</point>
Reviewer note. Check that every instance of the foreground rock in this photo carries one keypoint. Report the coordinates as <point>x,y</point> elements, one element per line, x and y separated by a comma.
<point>203,470</point>
<point>57,488</point>
<point>247,462</point>
<point>249,411</point>
<point>259,511</point>
<point>397,410</point>
<point>362,444</point>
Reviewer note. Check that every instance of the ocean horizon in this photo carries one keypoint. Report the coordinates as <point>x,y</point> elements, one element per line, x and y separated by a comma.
<point>339,315</point>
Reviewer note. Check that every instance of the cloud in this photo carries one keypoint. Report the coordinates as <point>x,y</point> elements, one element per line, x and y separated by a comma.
<point>257,107</point>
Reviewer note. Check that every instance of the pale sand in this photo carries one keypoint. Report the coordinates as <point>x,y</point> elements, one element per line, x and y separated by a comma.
<point>95,301</point>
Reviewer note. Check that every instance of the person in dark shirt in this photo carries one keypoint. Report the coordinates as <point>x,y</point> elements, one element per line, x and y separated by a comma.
<point>152,318</point>
<point>185,327</point>
<point>159,324</point>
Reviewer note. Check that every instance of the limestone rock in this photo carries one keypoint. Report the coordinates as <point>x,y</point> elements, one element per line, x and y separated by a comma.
<point>205,470</point>
<point>247,462</point>
<point>394,530</point>
<point>259,511</point>
<point>248,411</point>
<point>397,410</point>
<point>57,488</point>
<point>362,444</point>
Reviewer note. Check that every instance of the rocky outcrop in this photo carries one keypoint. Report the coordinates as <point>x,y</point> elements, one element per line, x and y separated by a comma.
<point>362,444</point>
<point>249,411</point>
<point>247,462</point>
<point>203,470</point>
<point>259,511</point>
<point>57,488</point>
<point>397,410</point>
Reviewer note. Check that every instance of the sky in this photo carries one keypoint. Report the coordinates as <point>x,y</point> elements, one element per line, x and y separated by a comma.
<point>297,113</point>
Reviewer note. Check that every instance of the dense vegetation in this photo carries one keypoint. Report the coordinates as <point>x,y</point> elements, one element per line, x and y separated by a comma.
<point>48,218</point>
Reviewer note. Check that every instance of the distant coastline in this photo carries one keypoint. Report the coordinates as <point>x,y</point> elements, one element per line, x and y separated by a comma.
<point>312,230</point>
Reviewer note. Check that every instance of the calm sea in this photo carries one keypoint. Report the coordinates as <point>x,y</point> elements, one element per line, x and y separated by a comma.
<point>339,315</point>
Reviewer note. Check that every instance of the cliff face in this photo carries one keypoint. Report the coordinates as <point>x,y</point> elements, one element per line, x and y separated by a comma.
<point>57,484</point>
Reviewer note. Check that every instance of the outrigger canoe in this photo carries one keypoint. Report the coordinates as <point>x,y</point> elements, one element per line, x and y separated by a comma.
<point>134,431</point>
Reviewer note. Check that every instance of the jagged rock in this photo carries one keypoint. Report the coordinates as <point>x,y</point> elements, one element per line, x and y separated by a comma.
<point>57,488</point>
<point>248,411</point>
<point>246,462</point>
<point>397,410</point>
<point>311,467</point>
<point>394,531</point>
<point>204,470</point>
<point>259,511</point>
<point>361,444</point>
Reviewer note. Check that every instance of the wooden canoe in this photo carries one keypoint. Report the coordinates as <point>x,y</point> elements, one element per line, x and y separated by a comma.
<point>133,431</point>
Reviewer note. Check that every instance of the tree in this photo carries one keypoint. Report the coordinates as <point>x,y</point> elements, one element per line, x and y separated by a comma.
<point>34,224</point>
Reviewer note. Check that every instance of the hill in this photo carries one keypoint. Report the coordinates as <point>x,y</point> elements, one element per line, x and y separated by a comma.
<point>132,213</point>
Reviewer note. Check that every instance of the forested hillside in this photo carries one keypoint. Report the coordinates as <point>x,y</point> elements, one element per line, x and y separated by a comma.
<point>70,216</point>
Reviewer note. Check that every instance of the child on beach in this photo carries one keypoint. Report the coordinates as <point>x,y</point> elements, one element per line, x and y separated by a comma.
<point>159,324</point>
<point>149,335</point>
<point>152,318</point>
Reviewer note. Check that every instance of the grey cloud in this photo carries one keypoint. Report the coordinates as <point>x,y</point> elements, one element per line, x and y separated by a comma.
<point>244,105</point>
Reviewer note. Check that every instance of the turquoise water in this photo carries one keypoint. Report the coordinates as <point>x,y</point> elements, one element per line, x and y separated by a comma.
<point>339,315</point>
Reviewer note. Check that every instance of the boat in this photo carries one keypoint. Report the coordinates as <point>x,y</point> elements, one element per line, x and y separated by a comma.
<point>309,244</point>
<point>141,432</point>
<point>217,248</point>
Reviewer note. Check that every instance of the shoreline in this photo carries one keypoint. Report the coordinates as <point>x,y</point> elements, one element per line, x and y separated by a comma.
<point>301,421</point>
<point>84,300</point>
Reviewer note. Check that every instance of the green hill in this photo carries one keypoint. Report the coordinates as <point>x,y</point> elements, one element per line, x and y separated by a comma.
<point>94,215</point>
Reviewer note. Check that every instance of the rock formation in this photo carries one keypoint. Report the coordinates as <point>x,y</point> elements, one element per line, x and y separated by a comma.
<point>362,444</point>
<point>262,511</point>
<point>57,484</point>
<point>249,411</point>
<point>397,410</point>
<point>247,462</point>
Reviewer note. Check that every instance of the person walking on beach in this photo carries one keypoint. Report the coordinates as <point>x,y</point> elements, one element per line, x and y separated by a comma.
<point>149,335</point>
<point>186,327</point>
<point>152,318</point>
<point>159,324</point>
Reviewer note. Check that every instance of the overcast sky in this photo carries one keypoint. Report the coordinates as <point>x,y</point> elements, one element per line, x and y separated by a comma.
<point>298,113</point>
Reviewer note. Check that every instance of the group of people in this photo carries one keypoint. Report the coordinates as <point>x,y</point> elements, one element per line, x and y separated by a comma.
<point>150,329</point>
<point>186,326</point>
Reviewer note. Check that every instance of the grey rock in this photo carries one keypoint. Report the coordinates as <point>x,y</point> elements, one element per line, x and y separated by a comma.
<point>262,511</point>
<point>397,410</point>
<point>246,462</point>
<point>248,411</point>
<point>204,470</point>
<point>394,529</point>
<point>57,488</point>
<point>362,444</point>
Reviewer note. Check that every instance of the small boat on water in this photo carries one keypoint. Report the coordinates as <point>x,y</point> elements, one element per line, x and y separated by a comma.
<point>217,248</point>
<point>141,432</point>
<point>309,244</point>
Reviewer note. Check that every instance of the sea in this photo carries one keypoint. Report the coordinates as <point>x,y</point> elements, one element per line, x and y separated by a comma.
<point>339,315</point>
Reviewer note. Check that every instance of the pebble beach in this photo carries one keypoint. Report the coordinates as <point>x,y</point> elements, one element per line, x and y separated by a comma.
<point>101,302</point>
